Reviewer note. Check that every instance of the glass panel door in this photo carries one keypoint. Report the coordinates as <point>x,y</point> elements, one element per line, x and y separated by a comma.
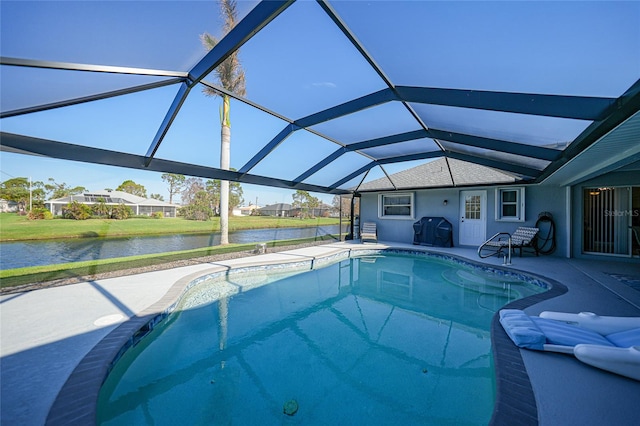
<point>608,217</point>
<point>635,221</point>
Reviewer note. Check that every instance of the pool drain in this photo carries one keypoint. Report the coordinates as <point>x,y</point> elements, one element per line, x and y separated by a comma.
<point>290,407</point>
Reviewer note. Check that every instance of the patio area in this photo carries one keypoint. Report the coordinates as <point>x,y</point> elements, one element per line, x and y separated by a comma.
<point>485,114</point>
<point>47,333</point>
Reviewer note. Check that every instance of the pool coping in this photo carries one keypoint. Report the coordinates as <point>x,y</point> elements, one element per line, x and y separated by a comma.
<point>76,403</point>
<point>517,406</point>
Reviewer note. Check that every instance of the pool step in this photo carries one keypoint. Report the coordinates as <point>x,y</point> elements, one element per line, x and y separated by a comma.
<point>481,282</point>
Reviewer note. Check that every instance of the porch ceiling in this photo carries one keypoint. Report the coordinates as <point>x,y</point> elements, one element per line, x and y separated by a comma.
<point>340,95</point>
<point>617,150</point>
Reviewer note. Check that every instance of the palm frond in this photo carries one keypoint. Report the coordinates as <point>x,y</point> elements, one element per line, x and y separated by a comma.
<point>208,41</point>
<point>229,74</point>
<point>229,14</point>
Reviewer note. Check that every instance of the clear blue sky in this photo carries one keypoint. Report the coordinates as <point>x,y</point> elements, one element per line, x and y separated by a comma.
<point>97,177</point>
<point>298,65</point>
<point>96,33</point>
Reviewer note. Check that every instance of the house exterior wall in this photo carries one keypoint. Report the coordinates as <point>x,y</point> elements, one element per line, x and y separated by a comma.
<point>626,178</point>
<point>316,212</point>
<point>244,211</point>
<point>431,203</point>
<point>168,211</point>
<point>7,206</point>
<point>280,213</point>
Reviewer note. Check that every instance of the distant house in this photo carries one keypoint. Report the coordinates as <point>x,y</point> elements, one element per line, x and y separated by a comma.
<point>323,210</point>
<point>278,209</point>
<point>287,210</point>
<point>7,206</point>
<point>140,206</point>
<point>245,211</point>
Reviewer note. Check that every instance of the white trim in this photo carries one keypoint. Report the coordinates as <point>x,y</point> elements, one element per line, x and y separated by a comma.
<point>465,239</point>
<point>412,205</point>
<point>569,222</point>
<point>520,204</point>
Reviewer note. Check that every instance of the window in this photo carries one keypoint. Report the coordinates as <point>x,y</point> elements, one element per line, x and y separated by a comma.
<point>510,204</point>
<point>611,222</point>
<point>396,206</point>
<point>472,207</point>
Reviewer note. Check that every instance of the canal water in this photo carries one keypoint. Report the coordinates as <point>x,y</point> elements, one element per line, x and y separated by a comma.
<point>36,253</point>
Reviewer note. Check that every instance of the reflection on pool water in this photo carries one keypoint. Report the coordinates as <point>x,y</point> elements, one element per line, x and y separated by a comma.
<point>378,339</point>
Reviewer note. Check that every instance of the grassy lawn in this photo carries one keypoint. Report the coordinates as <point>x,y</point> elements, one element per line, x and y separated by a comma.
<point>19,228</point>
<point>34,274</point>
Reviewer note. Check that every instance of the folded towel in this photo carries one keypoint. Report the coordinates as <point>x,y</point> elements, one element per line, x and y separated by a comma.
<point>532,332</point>
<point>521,329</point>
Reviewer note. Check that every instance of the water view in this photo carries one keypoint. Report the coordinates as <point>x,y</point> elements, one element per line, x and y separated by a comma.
<point>35,253</point>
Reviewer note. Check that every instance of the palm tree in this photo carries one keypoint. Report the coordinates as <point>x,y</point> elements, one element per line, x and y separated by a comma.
<point>230,76</point>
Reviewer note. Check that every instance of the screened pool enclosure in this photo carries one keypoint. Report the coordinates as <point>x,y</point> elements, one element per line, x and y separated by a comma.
<point>338,93</point>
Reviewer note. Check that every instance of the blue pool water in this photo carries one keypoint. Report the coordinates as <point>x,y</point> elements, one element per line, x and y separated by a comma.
<point>383,339</point>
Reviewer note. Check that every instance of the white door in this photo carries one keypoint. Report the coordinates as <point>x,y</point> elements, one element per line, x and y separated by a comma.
<point>473,218</point>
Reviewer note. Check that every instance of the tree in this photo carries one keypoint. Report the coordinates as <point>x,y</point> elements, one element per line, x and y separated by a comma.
<point>38,194</point>
<point>235,194</point>
<point>230,76</point>
<point>199,208</point>
<point>176,184</point>
<point>17,190</point>
<point>191,187</point>
<point>305,202</point>
<point>157,197</point>
<point>346,204</point>
<point>133,188</point>
<point>61,190</point>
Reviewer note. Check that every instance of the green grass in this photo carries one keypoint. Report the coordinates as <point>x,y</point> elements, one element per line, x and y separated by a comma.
<point>34,274</point>
<point>19,228</point>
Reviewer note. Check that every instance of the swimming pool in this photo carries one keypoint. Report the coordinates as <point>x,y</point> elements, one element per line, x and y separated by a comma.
<point>379,338</point>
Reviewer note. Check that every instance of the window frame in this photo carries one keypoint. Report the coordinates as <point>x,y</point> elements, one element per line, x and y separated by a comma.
<point>381,205</point>
<point>519,203</point>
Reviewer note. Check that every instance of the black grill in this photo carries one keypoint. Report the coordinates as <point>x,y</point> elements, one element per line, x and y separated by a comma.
<point>433,231</point>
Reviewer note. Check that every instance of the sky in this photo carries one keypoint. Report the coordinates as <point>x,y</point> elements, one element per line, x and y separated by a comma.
<point>64,21</point>
<point>297,65</point>
<point>96,177</point>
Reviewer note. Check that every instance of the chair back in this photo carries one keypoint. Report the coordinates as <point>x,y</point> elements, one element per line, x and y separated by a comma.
<point>369,228</point>
<point>523,235</point>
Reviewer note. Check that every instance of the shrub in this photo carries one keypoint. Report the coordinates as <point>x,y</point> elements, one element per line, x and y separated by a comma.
<point>121,212</point>
<point>157,215</point>
<point>196,212</point>
<point>39,214</point>
<point>101,209</point>
<point>76,211</point>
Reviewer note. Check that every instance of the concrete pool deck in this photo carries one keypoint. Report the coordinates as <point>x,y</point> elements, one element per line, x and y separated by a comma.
<point>46,333</point>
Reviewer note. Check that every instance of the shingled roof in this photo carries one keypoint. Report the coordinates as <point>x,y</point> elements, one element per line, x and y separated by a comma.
<point>112,197</point>
<point>439,173</point>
